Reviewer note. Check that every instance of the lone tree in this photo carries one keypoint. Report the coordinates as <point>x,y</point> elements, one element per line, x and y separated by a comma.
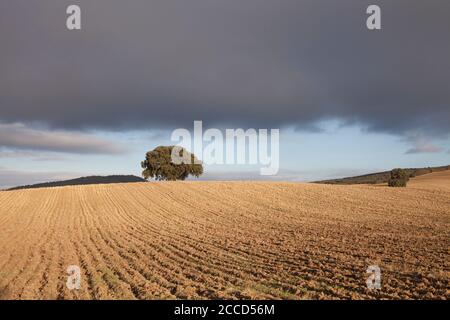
<point>399,178</point>
<point>170,163</point>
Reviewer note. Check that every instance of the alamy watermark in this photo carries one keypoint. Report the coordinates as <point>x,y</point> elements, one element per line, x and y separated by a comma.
<point>73,21</point>
<point>74,278</point>
<point>374,279</point>
<point>230,146</point>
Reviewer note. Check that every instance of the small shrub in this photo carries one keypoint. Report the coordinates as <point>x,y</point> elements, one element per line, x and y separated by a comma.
<point>399,178</point>
<point>397,183</point>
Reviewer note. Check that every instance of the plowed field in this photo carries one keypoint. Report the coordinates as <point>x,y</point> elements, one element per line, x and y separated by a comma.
<point>227,240</point>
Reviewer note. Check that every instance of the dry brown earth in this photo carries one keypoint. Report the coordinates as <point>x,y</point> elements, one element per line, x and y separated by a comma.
<point>227,240</point>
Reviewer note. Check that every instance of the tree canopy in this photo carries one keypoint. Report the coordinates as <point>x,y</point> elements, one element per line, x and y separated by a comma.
<point>160,165</point>
<point>399,178</point>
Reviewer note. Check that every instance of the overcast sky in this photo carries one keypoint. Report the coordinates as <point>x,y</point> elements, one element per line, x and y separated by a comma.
<point>94,100</point>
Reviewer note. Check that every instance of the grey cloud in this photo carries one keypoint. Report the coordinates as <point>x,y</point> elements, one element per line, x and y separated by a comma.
<point>16,154</point>
<point>421,144</point>
<point>45,158</point>
<point>33,155</point>
<point>164,63</point>
<point>20,137</point>
<point>425,148</point>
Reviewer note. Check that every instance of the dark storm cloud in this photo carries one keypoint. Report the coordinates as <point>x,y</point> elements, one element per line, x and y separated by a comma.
<point>164,63</point>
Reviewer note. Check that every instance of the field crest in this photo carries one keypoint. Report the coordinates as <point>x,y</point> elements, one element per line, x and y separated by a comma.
<point>205,240</point>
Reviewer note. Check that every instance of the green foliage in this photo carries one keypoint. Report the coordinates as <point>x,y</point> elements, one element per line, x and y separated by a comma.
<point>158,164</point>
<point>399,178</point>
<point>383,177</point>
<point>397,183</point>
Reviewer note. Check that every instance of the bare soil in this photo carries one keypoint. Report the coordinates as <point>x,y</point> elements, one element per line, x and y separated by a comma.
<point>227,240</point>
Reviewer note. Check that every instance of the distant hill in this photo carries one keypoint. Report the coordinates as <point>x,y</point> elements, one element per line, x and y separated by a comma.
<point>84,181</point>
<point>382,177</point>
